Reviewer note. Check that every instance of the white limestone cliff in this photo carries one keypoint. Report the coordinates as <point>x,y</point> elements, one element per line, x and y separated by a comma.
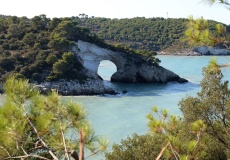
<point>131,68</point>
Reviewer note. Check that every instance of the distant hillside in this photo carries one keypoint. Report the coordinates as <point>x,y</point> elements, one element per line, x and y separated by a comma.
<point>153,34</point>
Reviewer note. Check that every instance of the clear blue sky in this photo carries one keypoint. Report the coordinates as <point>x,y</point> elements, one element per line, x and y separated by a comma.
<point>115,8</point>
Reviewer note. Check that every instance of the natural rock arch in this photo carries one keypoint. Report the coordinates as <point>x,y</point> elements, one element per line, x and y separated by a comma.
<point>131,68</point>
<point>91,56</point>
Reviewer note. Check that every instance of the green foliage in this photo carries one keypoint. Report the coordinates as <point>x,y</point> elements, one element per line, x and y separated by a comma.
<point>179,137</point>
<point>38,43</point>
<point>69,57</point>
<point>211,105</point>
<point>137,147</point>
<point>66,29</point>
<point>29,39</point>
<point>61,44</point>
<point>60,67</point>
<point>139,33</point>
<point>14,31</point>
<point>7,63</point>
<point>34,126</point>
<point>51,59</point>
<point>200,32</point>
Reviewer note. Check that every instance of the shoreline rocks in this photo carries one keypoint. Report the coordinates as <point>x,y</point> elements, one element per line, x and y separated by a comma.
<point>199,51</point>
<point>205,50</point>
<point>74,88</point>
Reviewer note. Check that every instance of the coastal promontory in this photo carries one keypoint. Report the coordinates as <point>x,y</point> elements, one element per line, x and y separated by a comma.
<point>60,54</point>
<point>131,68</point>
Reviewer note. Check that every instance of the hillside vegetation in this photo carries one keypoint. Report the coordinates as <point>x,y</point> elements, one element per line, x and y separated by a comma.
<point>140,33</point>
<point>41,49</point>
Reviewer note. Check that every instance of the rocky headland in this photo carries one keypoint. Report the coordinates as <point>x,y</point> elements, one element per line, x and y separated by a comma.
<point>131,68</point>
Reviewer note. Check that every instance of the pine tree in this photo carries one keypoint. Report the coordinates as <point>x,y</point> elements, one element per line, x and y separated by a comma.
<point>43,127</point>
<point>199,32</point>
<point>212,106</point>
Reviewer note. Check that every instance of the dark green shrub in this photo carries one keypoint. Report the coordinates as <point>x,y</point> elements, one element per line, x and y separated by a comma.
<point>29,39</point>
<point>60,67</point>
<point>36,77</point>
<point>5,46</point>
<point>18,75</point>
<point>7,63</point>
<point>69,57</point>
<point>51,59</point>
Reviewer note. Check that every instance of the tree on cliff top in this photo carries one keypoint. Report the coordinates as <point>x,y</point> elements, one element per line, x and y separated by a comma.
<point>43,127</point>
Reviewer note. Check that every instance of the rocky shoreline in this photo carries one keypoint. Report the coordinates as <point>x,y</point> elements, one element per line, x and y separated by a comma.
<point>131,68</point>
<point>75,88</point>
<point>199,51</point>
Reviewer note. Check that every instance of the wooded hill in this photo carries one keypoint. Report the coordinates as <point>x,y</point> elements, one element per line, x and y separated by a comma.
<point>40,49</point>
<point>140,33</point>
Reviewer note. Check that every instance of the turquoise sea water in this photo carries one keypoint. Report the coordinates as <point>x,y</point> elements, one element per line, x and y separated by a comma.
<point>120,116</point>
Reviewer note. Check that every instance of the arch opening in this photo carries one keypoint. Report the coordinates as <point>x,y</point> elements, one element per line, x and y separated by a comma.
<point>106,69</point>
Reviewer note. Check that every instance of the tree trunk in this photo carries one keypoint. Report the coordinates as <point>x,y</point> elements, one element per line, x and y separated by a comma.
<point>81,139</point>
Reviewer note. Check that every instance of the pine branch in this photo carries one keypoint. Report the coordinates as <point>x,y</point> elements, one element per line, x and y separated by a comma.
<point>36,148</point>
<point>63,138</point>
<point>94,153</point>
<point>24,151</point>
<point>26,156</point>
<point>162,151</point>
<point>5,150</point>
<point>176,155</point>
<point>36,132</point>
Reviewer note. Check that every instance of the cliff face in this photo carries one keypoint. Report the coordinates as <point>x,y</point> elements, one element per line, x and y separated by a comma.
<point>130,69</point>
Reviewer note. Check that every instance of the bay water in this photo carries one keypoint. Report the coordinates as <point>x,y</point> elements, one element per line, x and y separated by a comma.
<point>119,116</point>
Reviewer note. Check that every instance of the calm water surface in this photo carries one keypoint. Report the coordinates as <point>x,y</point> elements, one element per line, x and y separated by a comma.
<point>120,116</point>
